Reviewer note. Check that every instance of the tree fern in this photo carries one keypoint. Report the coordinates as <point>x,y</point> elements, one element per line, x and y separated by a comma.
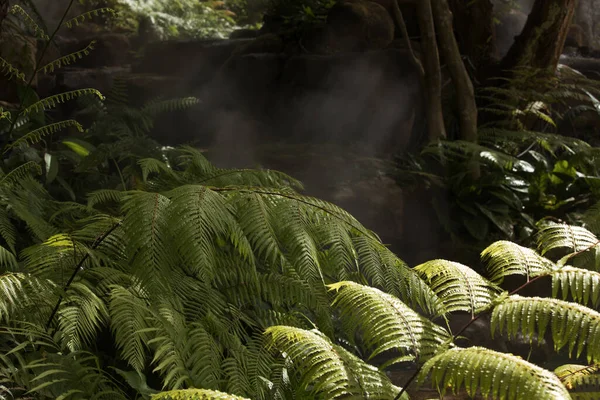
<point>571,324</point>
<point>506,258</point>
<point>37,30</point>
<point>582,285</point>
<point>386,323</point>
<point>458,286</point>
<point>36,135</point>
<point>562,236</point>
<point>88,15</point>
<point>11,71</point>
<point>327,370</point>
<point>52,101</point>
<point>495,375</point>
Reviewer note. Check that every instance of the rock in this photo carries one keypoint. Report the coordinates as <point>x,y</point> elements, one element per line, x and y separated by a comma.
<point>244,34</point>
<point>268,43</point>
<point>575,37</point>
<point>358,25</point>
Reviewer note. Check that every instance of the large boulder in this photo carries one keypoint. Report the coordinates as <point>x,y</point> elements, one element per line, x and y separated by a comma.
<point>587,16</point>
<point>357,25</point>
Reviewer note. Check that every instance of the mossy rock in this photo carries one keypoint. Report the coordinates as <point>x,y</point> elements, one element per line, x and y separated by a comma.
<point>269,43</point>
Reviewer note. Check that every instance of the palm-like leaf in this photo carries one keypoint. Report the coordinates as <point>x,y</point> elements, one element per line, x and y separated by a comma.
<point>562,236</point>
<point>583,285</point>
<point>572,325</point>
<point>496,375</point>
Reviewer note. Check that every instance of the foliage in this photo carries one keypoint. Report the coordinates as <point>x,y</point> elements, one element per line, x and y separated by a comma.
<point>528,171</point>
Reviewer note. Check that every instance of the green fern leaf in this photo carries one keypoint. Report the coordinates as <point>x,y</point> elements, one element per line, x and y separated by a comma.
<point>562,236</point>
<point>505,258</point>
<point>458,286</point>
<point>105,196</point>
<point>52,101</point>
<point>36,135</point>
<point>582,381</point>
<point>386,323</point>
<point>496,375</point>
<point>37,30</point>
<point>78,20</point>
<point>11,71</point>
<point>328,370</point>
<point>19,173</point>
<point>68,59</point>
<point>159,106</point>
<point>195,394</point>
<point>571,324</point>
<point>583,285</point>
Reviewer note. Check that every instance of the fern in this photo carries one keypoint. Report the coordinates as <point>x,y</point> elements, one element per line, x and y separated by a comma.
<point>36,135</point>
<point>81,18</point>
<point>458,286</point>
<point>52,101</point>
<point>583,285</point>
<point>195,394</point>
<point>386,323</point>
<point>328,370</point>
<point>11,71</point>
<point>68,59</point>
<point>571,324</point>
<point>506,258</point>
<point>583,382</point>
<point>37,30</point>
<point>495,375</point>
<point>562,236</point>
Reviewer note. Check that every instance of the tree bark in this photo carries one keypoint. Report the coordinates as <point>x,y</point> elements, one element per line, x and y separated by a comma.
<point>541,43</point>
<point>460,77</point>
<point>433,74</point>
<point>475,32</point>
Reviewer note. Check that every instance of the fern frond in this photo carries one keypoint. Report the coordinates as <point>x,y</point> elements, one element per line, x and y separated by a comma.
<point>36,135</point>
<point>571,324</point>
<point>195,394</point>
<point>386,323</point>
<point>458,286</point>
<point>7,230</point>
<point>583,285</point>
<point>505,258</point>
<point>582,381</point>
<point>160,106</point>
<point>68,59</point>
<point>52,101</point>
<point>19,173</point>
<point>78,20</point>
<point>495,375</point>
<point>105,196</point>
<point>328,370</point>
<point>37,30</point>
<point>562,236</point>
<point>11,71</point>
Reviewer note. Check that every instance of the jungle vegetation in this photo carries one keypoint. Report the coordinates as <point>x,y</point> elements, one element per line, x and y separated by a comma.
<point>134,271</point>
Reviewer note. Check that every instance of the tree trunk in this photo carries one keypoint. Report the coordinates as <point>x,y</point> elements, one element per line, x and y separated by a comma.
<point>475,32</point>
<point>541,43</point>
<point>460,77</point>
<point>433,74</point>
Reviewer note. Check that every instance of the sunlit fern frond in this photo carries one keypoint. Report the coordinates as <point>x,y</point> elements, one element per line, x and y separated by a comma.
<point>60,98</point>
<point>458,286</point>
<point>462,151</point>
<point>326,370</point>
<point>68,59</point>
<point>572,324</point>
<point>37,30</point>
<point>7,230</point>
<point>563,236</point>
<point>196,394</point>
<point>36,135</point>
<point>386,323</point>
<point>81,18</point>
<point>505,258</point>
<point>22,296</point>
<point>11,71</point>
<point>496,375</point>
<point>582,285</point>
<point>582,381</point>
